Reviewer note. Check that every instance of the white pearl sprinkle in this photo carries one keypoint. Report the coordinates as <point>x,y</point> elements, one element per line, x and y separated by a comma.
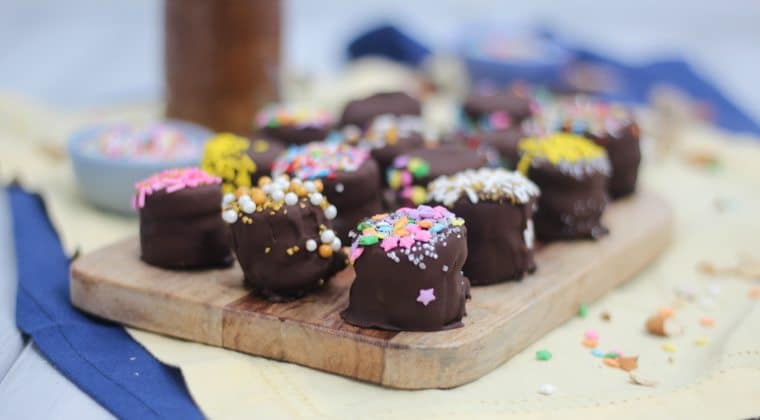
<point>547,389</point>
<point>248,207</point>
<point>339,187</point>
<point>278,195</point>
<point>230,216</point>
<point>228,199</point>
<point>291,198</point>
<point>331,212</point>
<point>315,198</point>
<point>310,187</point>
<point>311,245</point>
<point>445,268</point>
<point>336,244</point>
<point>327,236</point>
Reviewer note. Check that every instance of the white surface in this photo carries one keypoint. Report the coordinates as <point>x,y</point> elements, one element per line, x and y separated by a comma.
<point>11,343</point>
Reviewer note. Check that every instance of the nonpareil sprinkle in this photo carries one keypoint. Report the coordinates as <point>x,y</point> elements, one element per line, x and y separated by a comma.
<point>543,355</point>
<point>583,310</point>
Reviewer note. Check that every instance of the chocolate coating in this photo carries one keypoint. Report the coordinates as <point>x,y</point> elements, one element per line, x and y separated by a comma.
<point>356,194</point>
<point>263,157</point>
<point>624,152</point>
<point>262,250</point>
<point>569,207</point>
<point>503,142</point>
<point>182,229</point>
<point>384,292</point>
<point>497,250</point>
<point>290,134</point>
<point>361,112</point>
<point>481,104</point>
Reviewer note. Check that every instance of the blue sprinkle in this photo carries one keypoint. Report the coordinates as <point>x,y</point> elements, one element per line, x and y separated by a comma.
<point>597,353</point>
<point>437,227</point>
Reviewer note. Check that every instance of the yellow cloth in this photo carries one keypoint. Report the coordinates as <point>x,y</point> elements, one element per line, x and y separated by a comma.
<point>718,380</point>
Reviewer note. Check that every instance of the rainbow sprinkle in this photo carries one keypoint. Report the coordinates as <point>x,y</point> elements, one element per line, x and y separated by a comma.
<point>410,233</point>
<point>584,115</point>
<point>154,143</point>
<point>171,180</point>
<point>278,115</point>
<point>319,160</point>
<point>403,173</point>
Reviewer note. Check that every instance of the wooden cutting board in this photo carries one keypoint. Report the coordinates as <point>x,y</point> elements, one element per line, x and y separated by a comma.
<point>212,307</point>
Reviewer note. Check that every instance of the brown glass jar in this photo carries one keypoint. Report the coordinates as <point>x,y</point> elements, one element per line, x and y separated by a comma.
<point>221,60</point>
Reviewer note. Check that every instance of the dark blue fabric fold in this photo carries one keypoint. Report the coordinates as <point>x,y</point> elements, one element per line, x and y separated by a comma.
<point>636,80</point>
<point>98,356</point>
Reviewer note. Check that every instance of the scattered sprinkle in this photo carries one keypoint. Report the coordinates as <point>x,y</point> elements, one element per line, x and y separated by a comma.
<point>606,316</point>
<point>592,335</point>
<point>669,347</point>
<point>707,321</point>
<point>590,343</point>
<point>754,292</point>
<point>597,353</point>
<point>611,362</point>
<point>701,341</point>
<point>628,363</point>
<point>543,355</point>
<point>547,389</point>
<point>583,310</point>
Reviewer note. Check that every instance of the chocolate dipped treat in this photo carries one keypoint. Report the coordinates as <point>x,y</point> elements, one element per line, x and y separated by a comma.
<point>498,207</point>
<point>179,220</point>
<point>498,147</point>
<point>612,127</point>
<point>263,152</point>
<point>411,172</point>
<point>226,156</point>
<point>493,109</point>
<point>361,112</point>
<point>572,173</point>
<point>292,124</point>
<point>282,237</point>
<point>351,178</point>
<point>408,271</point>
<point>387,137</point>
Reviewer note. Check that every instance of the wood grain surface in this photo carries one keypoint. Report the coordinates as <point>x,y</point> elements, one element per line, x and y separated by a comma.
<point>212,307</point>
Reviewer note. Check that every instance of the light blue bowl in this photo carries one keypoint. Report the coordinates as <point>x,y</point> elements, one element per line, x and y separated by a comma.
<point>109,183</point>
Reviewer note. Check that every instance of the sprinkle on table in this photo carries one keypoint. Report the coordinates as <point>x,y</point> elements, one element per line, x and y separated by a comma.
<point>701,341</point>
<point>583,310</point>
<point>669,347</point>
<point>547,389</point>
<point>543,355</point>
<point>707,321</point>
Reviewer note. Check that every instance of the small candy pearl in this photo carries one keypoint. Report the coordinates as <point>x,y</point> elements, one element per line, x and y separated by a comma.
<point>310,187</point>
<point>327,236</point>
<point>248,206</point>
<point>311,245</point>
<point>291,198</point>
<point>315,198</point>
<point>547,389</point>
<point>228,199</point>
<point>336,244</point>
<point>339,187</point>
<point>245,199</point>
<point>230,216</point>
<point>331,212</point>
<point>278,195</point>
<point>267,188</point>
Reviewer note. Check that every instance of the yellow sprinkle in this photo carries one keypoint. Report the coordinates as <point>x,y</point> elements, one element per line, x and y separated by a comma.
<point>669,347</point>
<point>226,156</point>
<point>458,221</point>
<point>260,146</point>
<point>267,249</point>
<point>555,148</point>
<point>701,341</point>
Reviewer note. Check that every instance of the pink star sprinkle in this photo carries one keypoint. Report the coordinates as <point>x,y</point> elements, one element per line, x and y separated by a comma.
<point>422,235</point>
<point>389,243</point>
<point>406,241</point>
<point>426,296</point>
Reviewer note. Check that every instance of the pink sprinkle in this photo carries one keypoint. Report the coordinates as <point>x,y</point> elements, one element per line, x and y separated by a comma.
<point>500,120</point>
<point>356,253</point>
<point>592,335</point>
<point>389,243</point>
<point>426,296</point>
<point>172,180</point>
<point>422,235</point>
<point>406,178</point>
<point>406,241</point>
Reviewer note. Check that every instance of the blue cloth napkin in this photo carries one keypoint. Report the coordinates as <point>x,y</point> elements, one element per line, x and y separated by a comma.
<point>637,81</point>
<point>96,355</point>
